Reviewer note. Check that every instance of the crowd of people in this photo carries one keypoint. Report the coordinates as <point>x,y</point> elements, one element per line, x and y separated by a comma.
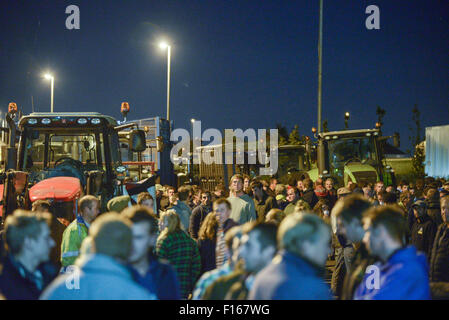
<point>259,239</point>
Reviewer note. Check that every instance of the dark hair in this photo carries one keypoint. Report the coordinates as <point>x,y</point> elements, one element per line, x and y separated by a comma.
<point>391,218</point>
<point>389,197</point>
<point>141,213</point>
<point>256,184</point>
<point>183,193</point>
<point>351,207</point>
<point>267,233</point>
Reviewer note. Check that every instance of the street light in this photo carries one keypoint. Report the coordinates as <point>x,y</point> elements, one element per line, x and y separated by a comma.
<point>346,120</point>
<point>163,46</point>
<point>52,81</point>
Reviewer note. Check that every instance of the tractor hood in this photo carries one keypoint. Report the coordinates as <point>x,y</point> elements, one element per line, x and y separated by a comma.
<point>58,188</point>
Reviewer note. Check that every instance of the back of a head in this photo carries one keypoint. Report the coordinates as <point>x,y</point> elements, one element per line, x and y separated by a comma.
<point>23,224</point>
<point>298,228</point>
<point>142,214</point>
<point>302,205</point>
<point>275,215</point>
<point>433,195</point>
<point>41,205</point>
<point>280,189</point>
<point>351,207</point>
<point>183,193</point>
<point>389,197</point>
<point>111,235</point>
<point>173,222</point>
<point>391,218</point>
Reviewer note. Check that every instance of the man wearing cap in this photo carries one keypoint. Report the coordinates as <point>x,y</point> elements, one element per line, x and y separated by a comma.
<point>423,230</point>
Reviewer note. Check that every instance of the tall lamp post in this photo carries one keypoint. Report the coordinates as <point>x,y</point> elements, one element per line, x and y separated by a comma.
<point>52,81</point>
<point>346,120</point>
<point>164,45</point>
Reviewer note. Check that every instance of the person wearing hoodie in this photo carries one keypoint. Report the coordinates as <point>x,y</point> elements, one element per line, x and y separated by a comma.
<point>433,206</point>
<point>243,207</point>
<point>402,273</point>
<point>101,274</point>
<point>304,243</point>
<point>424,229</point>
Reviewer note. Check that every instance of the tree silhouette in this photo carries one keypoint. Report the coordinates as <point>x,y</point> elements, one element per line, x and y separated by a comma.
<point>294,137</point>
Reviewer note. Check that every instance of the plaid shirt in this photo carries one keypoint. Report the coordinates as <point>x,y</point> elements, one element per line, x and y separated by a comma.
<point>208,278</point>
<point>183,254</point>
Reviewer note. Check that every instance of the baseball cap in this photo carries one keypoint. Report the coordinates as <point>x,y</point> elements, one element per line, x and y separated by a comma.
<point>342,191</point>
<point>420,204</point>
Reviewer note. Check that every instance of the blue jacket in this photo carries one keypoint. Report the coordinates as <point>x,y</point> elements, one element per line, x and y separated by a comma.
<point>403,277</point>
<point>96,277</point>
<point>289,277</point>
<point>160,278</point>
<point>16,283</point>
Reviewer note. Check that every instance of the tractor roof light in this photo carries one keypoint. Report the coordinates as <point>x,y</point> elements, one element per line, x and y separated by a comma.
<point>124,108</point>
<point>12,107</point>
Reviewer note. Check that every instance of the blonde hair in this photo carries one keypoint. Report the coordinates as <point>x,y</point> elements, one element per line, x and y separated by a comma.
<point>208,228</point>
<point>276,215</point>
<point>111,235</point>
<point>302,205</point>
<point>173,223</point>
<point>299,227</point>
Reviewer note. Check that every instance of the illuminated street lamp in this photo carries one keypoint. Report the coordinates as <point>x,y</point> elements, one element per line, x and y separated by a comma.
<point>52,81</point>
<point>346,120</point>
<point>163,46</point>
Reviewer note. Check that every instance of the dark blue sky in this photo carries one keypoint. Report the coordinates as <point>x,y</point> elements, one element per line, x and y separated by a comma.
<point>235,64</point>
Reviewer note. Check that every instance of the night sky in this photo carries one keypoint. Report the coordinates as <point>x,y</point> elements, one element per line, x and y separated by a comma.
<point>235,64</point>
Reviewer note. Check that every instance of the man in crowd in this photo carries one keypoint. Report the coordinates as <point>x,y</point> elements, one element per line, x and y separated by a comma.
<point>154,274</point>
<point>179,205</point>
<point>439,260</point>
<point>349,214</point>
<point>199,214</point>
<point>232,242</point>
<point>223,210</point>
<point>56,230</point>
<point>262,200</point>
<point>77,231</point>
<point>25,273</point>
<point>423,230</point>
<point>220,192</point>
<point>308,193</point>
<point>146,199</point>
<point>272,187</point>
<point>295,274</point>
<point>102,275</point>
<point>257,248</point>
<point>402,273</point>
<point>243,208</point>
<point>292,198</point>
